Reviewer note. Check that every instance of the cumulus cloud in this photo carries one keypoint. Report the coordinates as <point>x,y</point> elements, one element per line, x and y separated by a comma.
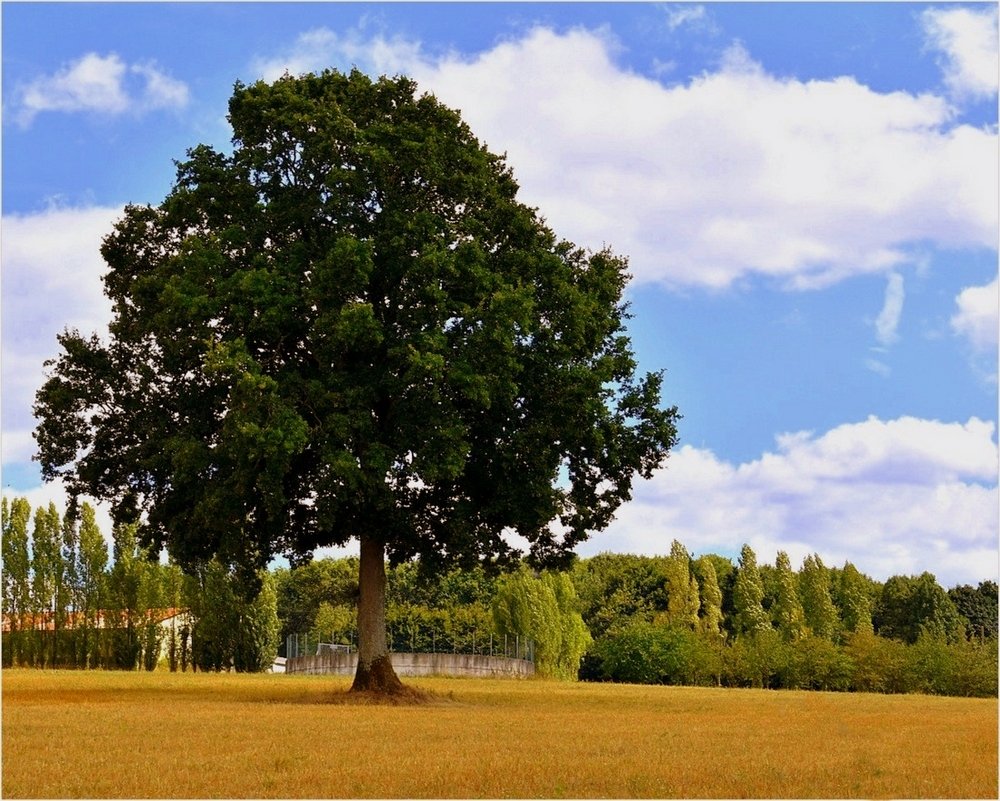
<point>967,40</point>
<point>51,280</point>
<point>100,84</point>
<point>977,315</point>
<point>897,496</point>
<point>734,174</point>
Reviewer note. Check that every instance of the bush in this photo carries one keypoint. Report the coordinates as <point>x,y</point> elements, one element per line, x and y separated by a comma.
<point>645,653</point>
<point>963,668</point>
<point>756,660</point>
<point>815,663</point>
<point>879,664</point>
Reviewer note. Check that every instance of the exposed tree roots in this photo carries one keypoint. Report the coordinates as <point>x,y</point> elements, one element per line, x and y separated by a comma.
<point>405,696</point>
<point>377,677</point>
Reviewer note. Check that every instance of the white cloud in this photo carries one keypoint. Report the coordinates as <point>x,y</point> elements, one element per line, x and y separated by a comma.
<point>684,15</point>
<point>100,84</point>
<point>51,280</point>
<point>967,38</point>
<point>977,315</point>
<point>321,48</point>
<point>887,322</point>
<point>879,367</point>
<point>161,90</point>
<point>734,174</point>
<point>900,496</point>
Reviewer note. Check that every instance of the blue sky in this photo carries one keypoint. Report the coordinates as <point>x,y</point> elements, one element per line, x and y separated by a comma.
<point>807,194</point>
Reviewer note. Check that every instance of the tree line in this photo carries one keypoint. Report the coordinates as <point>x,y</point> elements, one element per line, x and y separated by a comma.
<point>680,620</point>
<point>70,603</point>
<point>671,619</point>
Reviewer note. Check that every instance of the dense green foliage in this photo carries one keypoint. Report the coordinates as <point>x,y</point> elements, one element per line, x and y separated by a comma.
<point>811,630</point>
<point>624,601</point>
<point>978,606</point>
<point>543,609</point>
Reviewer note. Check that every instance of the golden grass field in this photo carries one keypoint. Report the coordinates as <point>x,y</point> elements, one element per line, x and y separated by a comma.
<point>163,735</point>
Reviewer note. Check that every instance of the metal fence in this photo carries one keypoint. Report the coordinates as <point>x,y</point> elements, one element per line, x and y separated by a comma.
<point>419,641</point>
<point>311,645</point>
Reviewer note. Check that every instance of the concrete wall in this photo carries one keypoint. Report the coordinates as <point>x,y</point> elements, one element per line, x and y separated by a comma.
<point>418,665</point>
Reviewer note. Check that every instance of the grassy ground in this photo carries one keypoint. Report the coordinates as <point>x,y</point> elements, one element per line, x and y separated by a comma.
<point>161,735</point>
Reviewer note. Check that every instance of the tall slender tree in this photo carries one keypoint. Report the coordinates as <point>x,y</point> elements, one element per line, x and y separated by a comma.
<point>817,602</point>
<point>67,590</point>
<point>46,570</point>
<point>348,327</point>
<point>748,593</point>
<point>92,563</point>
<point>710,621</point>
<point>855,601</point>
<point>787,610</point>
<point>16,575</point>
<point>683,600</point>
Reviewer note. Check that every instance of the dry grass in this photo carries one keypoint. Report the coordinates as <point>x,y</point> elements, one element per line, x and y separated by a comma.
<point>160,735</point>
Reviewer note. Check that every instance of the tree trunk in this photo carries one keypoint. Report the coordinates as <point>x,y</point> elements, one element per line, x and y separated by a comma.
<point>375,672</point>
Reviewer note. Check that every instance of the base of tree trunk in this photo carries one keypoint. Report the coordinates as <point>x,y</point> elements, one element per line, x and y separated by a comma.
<point>379,677</point>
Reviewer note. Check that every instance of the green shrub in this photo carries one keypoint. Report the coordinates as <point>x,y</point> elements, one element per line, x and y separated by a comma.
<point>646,653</point>
<point>815,663</point>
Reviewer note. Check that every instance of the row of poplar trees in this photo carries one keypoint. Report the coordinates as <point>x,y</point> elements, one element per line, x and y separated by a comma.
<point>678,620</point>
<point>70,603</point>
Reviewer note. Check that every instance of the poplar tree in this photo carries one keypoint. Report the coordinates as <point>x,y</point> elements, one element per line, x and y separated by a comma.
<point>817,603</point>
<point>748,593</point>
<point>710,622</point>
<point>16,576</point>
<point>67,591</point>
<point>92,563</point>
<point>683,601</point>
<point>125,613</point>
<point>46,569</point>
<point>787,611</point>
<point>347,327</point>
<point>855,602</point>
<point>173,586</point>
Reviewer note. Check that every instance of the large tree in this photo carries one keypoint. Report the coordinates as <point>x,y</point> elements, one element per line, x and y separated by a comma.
<point>348,327</point>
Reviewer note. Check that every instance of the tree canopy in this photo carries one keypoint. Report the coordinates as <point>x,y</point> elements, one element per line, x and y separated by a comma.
<point>350,328</point>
